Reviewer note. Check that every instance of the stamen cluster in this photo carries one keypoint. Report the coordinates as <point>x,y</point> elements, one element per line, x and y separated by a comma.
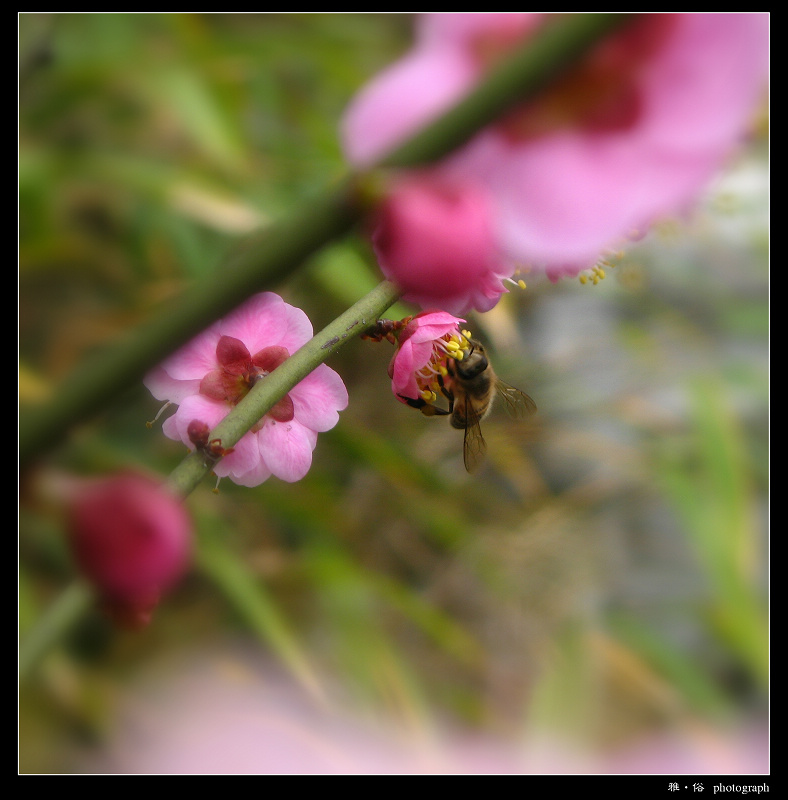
<point>429,377</point>
<point>424,346</point>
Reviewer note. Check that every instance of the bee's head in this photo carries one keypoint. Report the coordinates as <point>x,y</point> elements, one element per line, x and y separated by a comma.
<point>473,364</point>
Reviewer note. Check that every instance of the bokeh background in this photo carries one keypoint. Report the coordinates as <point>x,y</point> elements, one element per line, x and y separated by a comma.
<point>593,600</point>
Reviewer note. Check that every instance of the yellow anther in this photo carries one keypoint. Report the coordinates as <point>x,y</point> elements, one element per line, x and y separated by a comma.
<point>595,280</point>
<point>583,279</point>
<point>521,283</point>
<point>601,273</point>
<point>452,345</point>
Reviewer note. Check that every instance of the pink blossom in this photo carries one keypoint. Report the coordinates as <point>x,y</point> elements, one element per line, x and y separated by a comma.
<point>423,346</point>
<point>630,134</point>
<point>212,373</point>
<point>433,237</point>
<point>132,539</point>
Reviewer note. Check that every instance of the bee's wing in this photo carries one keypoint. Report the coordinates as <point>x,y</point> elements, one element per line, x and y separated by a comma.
<point>518,403</point>
<point>474,447</point>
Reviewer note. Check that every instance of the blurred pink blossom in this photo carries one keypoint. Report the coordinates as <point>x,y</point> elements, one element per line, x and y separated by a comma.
<point>422,348</point>
<point>212,373</point>
<point>632,133</point>
<point>132,540</point>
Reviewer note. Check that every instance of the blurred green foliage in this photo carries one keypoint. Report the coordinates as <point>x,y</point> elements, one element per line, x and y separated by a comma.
<point>605,574</point>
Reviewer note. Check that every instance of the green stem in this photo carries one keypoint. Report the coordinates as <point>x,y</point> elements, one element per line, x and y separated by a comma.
<point>275,253</point>
<point>265,393</point>
<point>53,624</point>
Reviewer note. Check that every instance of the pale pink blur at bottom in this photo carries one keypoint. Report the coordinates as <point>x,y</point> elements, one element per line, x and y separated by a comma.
<point>221,715</point>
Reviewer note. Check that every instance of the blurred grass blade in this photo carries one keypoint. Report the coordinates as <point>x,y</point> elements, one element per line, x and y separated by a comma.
<point>248,596</point>
<point>712,490</point>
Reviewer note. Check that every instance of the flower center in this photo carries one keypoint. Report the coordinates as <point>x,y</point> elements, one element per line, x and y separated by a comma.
<point>430,376</point>
<point>238,371</point>
<point>600,93</point>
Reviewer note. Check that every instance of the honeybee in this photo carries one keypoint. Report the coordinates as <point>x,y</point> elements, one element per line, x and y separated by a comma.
<point>470,387</point>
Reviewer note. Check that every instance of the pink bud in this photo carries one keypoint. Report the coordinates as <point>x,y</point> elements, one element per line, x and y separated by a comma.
<point>132,539</point>
<point>434,238</point>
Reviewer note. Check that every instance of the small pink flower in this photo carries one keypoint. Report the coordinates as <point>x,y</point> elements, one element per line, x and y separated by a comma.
<point>434,238</point>
<point>630,134</point>
<point>132,540</point>
<point>212,373</point>
<point>423,346</point>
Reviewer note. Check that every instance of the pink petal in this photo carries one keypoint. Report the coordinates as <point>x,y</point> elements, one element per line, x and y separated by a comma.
<point>318,398</point>
<point>702,88</point>
<point>568,196</point>
<point>196,357</point>
<point>402,99</point>
<point>259,472</point>
<point>436,327</point>
<point>403,368</point>
<point>286,448</point>
<point>265,320</point>
<point>463,29</point>
<point>244,465</point>
<point>298,330</point>
<point>261,317</point>
<point>164,387</point>
<point>194,407</point>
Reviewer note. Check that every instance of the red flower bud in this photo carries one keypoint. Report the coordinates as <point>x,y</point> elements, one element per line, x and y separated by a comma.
<point>131,539</point>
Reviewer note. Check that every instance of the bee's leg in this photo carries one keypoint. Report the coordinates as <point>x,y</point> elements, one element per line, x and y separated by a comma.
<point>426,408</point>
<point>447,393</point>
